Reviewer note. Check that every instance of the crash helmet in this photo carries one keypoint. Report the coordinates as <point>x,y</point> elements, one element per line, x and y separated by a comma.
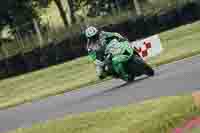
<point>92,35</point>
<point>91,31</point>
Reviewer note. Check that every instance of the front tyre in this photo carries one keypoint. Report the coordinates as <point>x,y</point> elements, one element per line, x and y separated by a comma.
<point>131,78</point>
<point>146,68</point>
<point>149,71</point>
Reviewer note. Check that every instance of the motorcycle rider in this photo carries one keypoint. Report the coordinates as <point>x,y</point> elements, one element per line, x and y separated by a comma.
<point>99,43</point>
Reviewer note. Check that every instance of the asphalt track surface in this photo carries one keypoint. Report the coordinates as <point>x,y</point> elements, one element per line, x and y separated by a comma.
<point>170,79</point>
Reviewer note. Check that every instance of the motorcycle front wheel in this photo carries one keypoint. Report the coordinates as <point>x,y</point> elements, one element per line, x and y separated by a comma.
<point>141,67</point>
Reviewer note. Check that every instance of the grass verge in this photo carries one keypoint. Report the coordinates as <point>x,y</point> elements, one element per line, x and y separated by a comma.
<point>178,43</point>
<point>152,116</point>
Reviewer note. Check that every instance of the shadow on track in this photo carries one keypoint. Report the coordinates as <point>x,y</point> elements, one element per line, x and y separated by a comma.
<point>113,89</point>
<point>125,85</point>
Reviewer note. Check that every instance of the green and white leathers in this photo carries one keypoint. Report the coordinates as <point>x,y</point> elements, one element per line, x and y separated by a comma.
<point>116,45</point>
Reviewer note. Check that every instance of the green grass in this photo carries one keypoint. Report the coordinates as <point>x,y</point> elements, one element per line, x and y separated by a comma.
<point>195,130</point>
<point>153,116</point>
<point>178,43</point>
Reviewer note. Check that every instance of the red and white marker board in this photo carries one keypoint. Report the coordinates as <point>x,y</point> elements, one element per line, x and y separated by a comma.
<point>148,47</point>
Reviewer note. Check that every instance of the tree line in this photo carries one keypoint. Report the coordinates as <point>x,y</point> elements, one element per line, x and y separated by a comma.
<point>17,12</point>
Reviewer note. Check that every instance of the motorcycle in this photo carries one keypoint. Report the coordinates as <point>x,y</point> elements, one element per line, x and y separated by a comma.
<point>135,66</point>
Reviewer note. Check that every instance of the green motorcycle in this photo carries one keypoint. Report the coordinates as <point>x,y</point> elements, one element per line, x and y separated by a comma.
<point>133,63</point>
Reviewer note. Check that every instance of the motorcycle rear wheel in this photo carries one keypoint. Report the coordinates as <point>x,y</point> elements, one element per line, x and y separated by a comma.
<point>138,67</point>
